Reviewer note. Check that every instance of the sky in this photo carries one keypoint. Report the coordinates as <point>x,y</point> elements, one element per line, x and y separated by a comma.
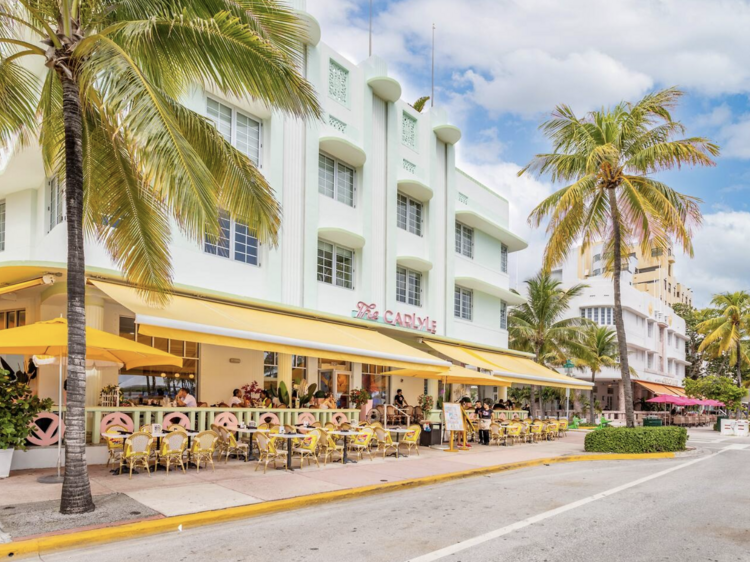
<point>502,66</point>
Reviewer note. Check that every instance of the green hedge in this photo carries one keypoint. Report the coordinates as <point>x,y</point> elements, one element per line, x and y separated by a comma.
<point>636,440</point>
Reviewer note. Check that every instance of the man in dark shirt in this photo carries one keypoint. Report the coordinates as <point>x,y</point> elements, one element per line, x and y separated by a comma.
<point>399,399</point>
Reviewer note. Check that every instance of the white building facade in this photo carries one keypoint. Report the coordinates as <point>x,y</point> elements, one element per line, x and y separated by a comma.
<point>375,212</point>
<point>655,333</point>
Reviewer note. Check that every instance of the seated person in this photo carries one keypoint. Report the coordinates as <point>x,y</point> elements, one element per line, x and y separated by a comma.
<point>185,399</point>
<point>500,405</point>
<point>400,400</point>
<point>509,404</point>
<point>265,399</point>
<point>236,400</point>
<point>329,402</point>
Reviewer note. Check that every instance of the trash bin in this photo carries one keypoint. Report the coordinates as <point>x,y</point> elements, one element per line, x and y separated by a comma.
<point>652,422</point>
<point>429,438</point>
<point>717,425</point>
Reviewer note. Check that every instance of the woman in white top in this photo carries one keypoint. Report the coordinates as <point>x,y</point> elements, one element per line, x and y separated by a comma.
<point>236,400</point>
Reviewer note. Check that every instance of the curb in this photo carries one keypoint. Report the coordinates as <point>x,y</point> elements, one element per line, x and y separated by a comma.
<point>52,543</point>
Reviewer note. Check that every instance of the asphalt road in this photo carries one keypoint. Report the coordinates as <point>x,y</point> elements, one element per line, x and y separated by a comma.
<point>694,508</point>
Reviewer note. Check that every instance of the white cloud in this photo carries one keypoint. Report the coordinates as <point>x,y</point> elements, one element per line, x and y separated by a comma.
<point>719,246</point>
<point>735,138</point>
<point>718,116</point>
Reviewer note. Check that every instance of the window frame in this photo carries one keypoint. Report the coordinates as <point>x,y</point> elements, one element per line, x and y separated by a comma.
<point>503,258</point>
<point>412,222</point>
<point>231,247</point>
<point>459,303</point>
<point>334,273</point>
<point>461,236</point>
<point>503,315</point>
<point>337,164</point>
<point>233,130</point>
<point>410,296</point>
<point>56,186</point>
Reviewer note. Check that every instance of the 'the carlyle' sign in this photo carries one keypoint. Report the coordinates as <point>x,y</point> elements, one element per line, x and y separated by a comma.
<point>404,320</point>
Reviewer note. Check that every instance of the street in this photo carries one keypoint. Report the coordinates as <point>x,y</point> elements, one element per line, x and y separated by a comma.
<point>691,508</point>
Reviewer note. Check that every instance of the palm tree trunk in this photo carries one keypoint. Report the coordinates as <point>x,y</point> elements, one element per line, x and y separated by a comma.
<point>619,323</point>
<point>592,398</point>
<point>739,376</point>
<point>76,491</point>
<point>532,401</point>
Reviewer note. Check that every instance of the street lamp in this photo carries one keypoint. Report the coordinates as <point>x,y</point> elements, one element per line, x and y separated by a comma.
<point>568,371</point>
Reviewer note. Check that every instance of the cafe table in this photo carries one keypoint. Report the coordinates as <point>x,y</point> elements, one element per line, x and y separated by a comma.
<point>345,457</point>
<point>289,437</point>
<point>398,431</point>
<point>250,431</point>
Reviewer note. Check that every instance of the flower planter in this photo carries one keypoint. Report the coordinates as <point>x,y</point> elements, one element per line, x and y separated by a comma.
<point>6,456</point>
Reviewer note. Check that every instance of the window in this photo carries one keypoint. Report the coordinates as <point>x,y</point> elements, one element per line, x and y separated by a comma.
<point>409,130</point>
<point>335,265</point>
<point>651,329</point>
<point>597,257</point>
<point>375,382</point>
<point>238,129</point>
<point>56,202</point>
<point>596,315</point>
<point>408,286</point>
<point>409,216</point>
<point>12,319</point>
<point>270,369</point>
<point>464,240</point>
<point>609,316</point>
<point>463,303</point>
<point>156,382</point>
<point>235,241</point>
<point>656,252</point>
<point>669,338</point>
<point>650,362</point>
<point>2,225</point>
<point>596,272</point>
<point>503,258</point>
<point>335,180</point>
<point>338,82</point>
<point>503,315</point>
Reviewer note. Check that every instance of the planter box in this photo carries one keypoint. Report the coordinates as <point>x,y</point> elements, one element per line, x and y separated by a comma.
<point>6,457</point>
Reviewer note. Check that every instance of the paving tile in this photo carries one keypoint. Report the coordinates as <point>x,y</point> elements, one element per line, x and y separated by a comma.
<point>281,486</point>
<point>190,499</point>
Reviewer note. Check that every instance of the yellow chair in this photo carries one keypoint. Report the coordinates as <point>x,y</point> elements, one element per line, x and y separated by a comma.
<point>114,445</point>
<point>267,452</point>
<point>203,449</point>
<point>308,448</point>
<point>497,434</point>
<point>535,432</point>
<point>513,434</point>
<point>383,439</point>
<point>328,447</point>
<point>137,451</point>
<point>550,431</point>
<point>230,446</point>
<point>411,438</point>
<point>361,442</point>
<point>562,430</point>
<point>173,448</point>
<point>176,427</point>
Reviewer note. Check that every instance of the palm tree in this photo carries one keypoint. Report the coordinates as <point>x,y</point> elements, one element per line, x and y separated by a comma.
<point>598,350</point>
<point>133,160</point>
<point>729,331</point>
<point>607,160</point>
<point>538,326</point>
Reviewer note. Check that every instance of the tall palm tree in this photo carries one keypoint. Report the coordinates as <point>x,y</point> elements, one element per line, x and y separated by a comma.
<point>728,333</point>
<point>538,326</point>
<point>106,113</point>
<point>598,350</point>
<point>607,159</point>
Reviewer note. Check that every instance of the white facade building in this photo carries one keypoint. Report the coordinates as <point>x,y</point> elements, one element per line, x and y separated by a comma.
<point>655,333</point>
<point>374,211</point>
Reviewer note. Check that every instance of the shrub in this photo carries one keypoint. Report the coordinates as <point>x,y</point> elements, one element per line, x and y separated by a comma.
<point>636,440</point>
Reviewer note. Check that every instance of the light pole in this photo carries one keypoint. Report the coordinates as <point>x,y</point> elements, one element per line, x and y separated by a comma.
<point>568,371</point>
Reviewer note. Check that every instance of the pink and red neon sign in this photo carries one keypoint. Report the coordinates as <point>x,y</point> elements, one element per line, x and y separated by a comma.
<point>404,320</point>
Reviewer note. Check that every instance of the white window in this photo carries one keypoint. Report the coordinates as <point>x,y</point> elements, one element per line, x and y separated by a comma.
<point>597,257</point>
<point>2,225</point>
<point>650,363</point>
<point>651,329</point>
<point>409,130</point>
<point>56,202</point>
<point>235,241</point>
<point>335,265</point>
<point>503,258</point>
<point>409,216</point>
<point>596,272</point>
<point>335,180</point>
<point>503,315</point>
<point>609,316</point>
<point>408,286</point>
<point>338,82</point>
<point>463,303</point>
<point>240,130</point>
<point>464,240</point>
<point>596,315</point>
<point>669,338</point>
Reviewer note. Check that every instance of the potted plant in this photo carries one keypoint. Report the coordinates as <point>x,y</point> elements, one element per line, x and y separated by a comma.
<point>426,402</point>
<point>359,397</point>
<point>18,408</point>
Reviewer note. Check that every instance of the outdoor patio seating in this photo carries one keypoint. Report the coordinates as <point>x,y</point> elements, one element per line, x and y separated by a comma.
<point>411,438</point>
<point>361,443</point>
<point>203,449</point>
<point>268,453</point>
<point>497,434</point>
<point>383,440</point>
<point>173,448</point>
<point>114,446</point>
<point>328,447</point>
<point>230,445</point>
<point>137,452</point>
<point>307,448</point>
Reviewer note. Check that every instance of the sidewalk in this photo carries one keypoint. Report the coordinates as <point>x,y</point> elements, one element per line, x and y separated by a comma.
<point>29,509</point>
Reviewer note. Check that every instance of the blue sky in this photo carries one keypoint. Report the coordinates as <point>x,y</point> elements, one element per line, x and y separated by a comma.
<point>503,65</point>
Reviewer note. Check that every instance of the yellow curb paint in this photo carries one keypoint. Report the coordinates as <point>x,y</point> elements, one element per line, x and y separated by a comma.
<point>41,545</point>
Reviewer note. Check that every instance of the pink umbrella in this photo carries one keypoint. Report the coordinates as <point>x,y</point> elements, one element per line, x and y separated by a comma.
<point>692,402</point>
<point>666,399</point>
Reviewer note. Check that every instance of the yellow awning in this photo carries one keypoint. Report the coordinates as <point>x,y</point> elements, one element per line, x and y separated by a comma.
<point>455,375</point>
<point>208,322</point>
<point>519,370</point>
<point>665,389</point>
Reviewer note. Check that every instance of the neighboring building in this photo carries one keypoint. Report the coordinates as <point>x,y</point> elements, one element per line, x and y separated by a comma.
<point>375,212</point>
<point>655,334</point>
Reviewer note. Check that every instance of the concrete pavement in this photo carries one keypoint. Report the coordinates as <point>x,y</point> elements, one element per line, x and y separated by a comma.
<point>692,508</point>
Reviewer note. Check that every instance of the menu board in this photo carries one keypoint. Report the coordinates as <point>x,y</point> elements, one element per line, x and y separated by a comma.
<point>454,418</point>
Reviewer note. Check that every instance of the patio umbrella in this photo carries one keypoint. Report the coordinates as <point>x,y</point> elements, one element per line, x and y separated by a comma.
<point>665,399</point>
<point>50,339</point>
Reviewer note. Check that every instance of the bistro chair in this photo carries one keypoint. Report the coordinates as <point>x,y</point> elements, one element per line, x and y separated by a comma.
<point>328,447</point>
<point>137,451</point>
<point>361,443</point>
<point>550,431</point>
<point>203,449</point>
<point>267,452</point>
<point>513,434</point>
<point>535,431</point>
<point>230,446</point>
<point>173,448</point>
<point>308,448</point>
<point>411,438</point>
<point>497,434</point>
<point>114,446</point>
<point>176,427</point>
<point>383,440</point>
<point>562,429</point>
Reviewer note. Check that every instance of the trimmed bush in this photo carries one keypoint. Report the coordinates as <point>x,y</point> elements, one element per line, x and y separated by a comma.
<point>636,440</point>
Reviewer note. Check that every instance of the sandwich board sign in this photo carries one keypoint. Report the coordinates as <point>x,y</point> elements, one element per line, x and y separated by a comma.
<point>454,422</point>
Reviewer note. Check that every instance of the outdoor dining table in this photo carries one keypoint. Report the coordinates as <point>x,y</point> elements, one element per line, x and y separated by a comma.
<point>398,431</point>
<point>157,436</point>
<point>289,436</point>
<point>251,431</point>
<point>345,457</point>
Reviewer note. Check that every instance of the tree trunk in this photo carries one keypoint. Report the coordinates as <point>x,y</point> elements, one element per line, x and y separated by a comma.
<point>592,399</point>
<point>738,414</point>
<point>619,323</point>
<point>532,401</point>
<point>76,491</point>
